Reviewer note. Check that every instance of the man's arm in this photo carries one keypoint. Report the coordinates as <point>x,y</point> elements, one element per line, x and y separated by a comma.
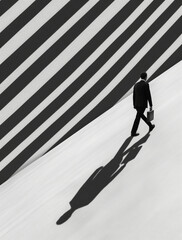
<point>134,97</point>
<point>149,98</point>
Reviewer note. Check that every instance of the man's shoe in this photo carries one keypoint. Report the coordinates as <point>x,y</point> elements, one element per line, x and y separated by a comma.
<point>151,128</point>
<point>134,134</point>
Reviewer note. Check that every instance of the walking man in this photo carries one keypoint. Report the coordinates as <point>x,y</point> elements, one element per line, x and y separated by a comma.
<point>141,98</point>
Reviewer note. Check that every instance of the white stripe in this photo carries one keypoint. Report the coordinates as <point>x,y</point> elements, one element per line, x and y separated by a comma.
<point>100,96</point>
<point>61,60</point>
<point>76,74</point>
<point>92,104</point>
<point>11,14</point>
<point>46,45</point>
<point>31,27</point>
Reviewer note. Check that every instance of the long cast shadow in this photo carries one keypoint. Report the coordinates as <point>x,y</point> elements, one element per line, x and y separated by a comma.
<point>103,176</point>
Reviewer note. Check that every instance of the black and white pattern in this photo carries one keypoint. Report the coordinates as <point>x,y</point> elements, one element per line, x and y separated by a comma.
<point>63,63</point>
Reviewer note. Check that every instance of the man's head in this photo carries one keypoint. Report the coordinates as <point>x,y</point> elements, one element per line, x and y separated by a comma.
<point>143,76</point>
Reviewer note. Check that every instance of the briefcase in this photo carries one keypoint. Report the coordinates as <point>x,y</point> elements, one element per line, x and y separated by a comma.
<point>150,115</point>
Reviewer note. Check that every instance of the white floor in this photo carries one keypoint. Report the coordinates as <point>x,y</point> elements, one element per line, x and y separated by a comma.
<point>144,201</point>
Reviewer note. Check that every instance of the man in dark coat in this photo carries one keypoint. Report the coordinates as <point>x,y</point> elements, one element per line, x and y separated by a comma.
<point>141,98</point>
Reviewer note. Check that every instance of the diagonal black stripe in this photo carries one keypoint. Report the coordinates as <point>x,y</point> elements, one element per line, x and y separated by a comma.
<point>79,58</point>
<point>171,61</point>
<point>22,20</point>
<point>5,5</point>
<point>38,38</point>
<point>108,102</point>
<point>128,81</point>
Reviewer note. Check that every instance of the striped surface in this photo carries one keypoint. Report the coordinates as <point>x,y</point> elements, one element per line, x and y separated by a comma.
<point>66,62</point>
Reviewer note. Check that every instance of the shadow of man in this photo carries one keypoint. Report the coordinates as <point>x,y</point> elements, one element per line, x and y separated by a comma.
<point>103,176</point>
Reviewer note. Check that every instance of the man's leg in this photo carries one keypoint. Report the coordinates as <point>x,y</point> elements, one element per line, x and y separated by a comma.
<point>151,126</point>
<point>136,123</point>
<point>145,120</point>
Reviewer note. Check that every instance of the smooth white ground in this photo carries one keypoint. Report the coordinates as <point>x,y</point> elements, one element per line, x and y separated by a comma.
<point>144,202</point>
